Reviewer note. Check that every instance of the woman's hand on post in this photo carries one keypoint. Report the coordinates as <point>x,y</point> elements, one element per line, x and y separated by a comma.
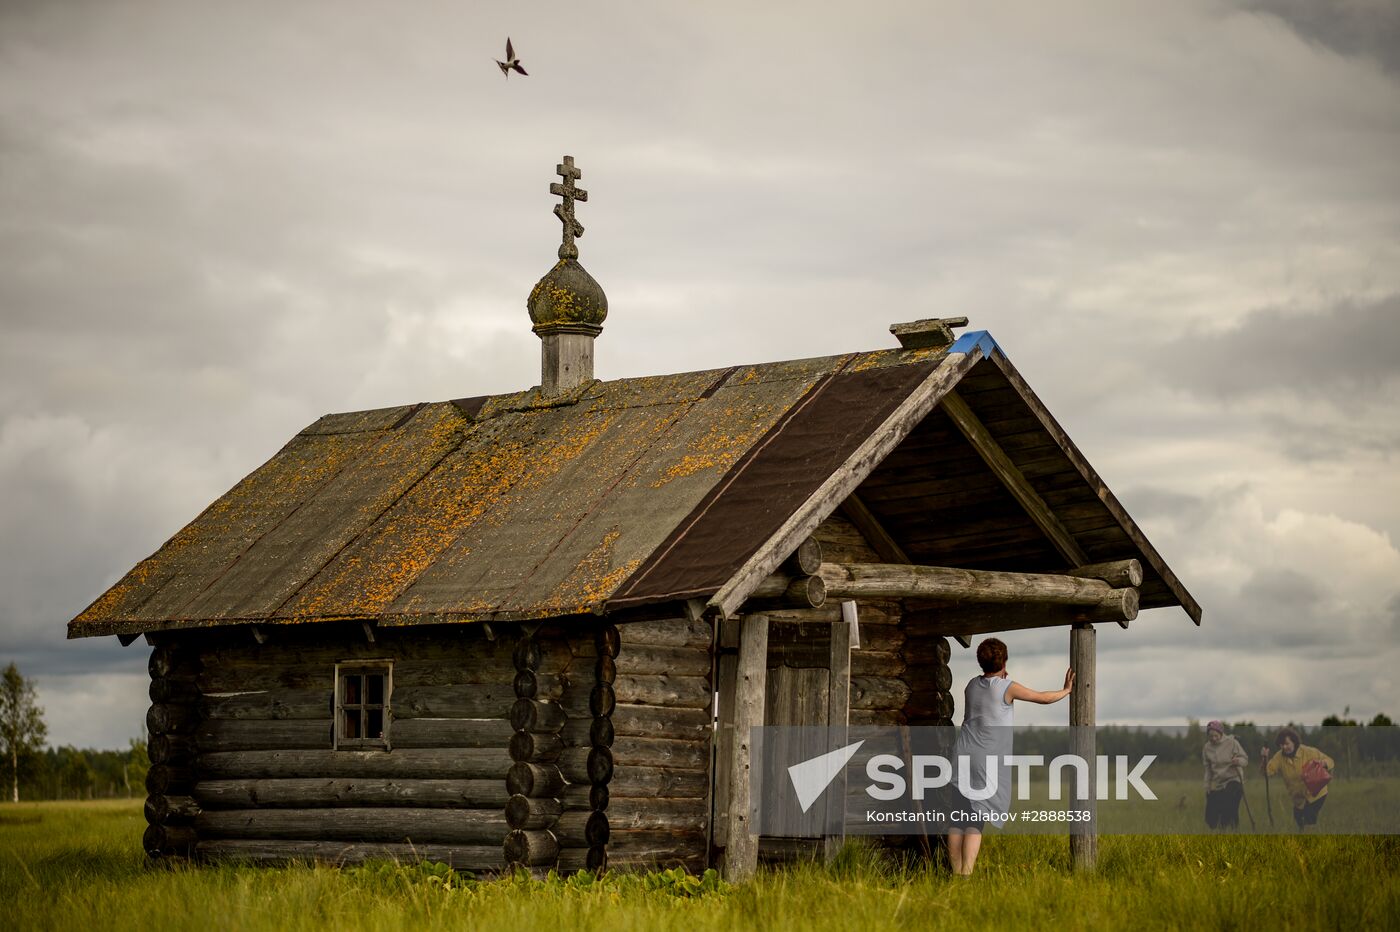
<point>1069,680</point>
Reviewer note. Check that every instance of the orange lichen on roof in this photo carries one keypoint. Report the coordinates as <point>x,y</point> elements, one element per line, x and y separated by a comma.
<point>370,575</point>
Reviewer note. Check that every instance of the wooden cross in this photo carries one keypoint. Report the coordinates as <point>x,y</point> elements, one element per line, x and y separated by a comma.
<point>565,211</point>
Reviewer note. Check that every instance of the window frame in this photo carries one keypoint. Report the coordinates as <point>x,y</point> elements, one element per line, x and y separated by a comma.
<point>339,742</point>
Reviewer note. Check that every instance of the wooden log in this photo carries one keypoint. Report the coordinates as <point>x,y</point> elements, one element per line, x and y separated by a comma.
<point>783,591</point>
<point>584,796</point>
<point>170,810</point>
<point>930,649</point>
<point>1084,838</point>
<point>608,640</point>
<point>929,708</point>
<point>162,719</point>
<point>1120,574</point>
<point>246,677</point>
<point>605,670</point>
<point>580,829</point>
<point>880,637</point>
<point>530,748</point>
<point>450,733</point>
<point>877,663</point>
<point>928,678</point>
<point>634,780</point>
<point>537,716</point>
<point>460,857</point>
<point>526,654</point>
<point>214,735</point>
<point>682,661</point>
<point>659,848</point>
<point>217,734</point>
<point>459,701</point>
<point>451,646</point>
<point>169,840</point>
<point>442,826</point>
<point>403,763</point>
<point>173,690</point>
<point>168,780</point>
<point>681,815</point>
<point>532,849</point>
<point>750,690</point>
<point>586,765</point>
<point>806,560</point>
<point>668,632</point>
<point>524,812</point>
<point>646,720</point>
<point>878,692</point>
<point>536,780</point>
<point>926,619</point>
<point>316,792</point>
<point>533,685</point>
<point>577,731</point>
<point>602,700</point>
<point>171,749</point>
<point>896,581</point>
<point>673,753</point>
<point>270,704</point>
<point>579,859</point>
<point>172,662</point>
<point>672,691</point>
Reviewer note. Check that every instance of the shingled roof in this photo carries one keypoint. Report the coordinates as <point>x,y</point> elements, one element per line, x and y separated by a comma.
<point>616,495</point>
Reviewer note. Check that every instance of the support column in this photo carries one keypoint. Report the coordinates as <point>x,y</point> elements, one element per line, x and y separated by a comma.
<point>838,710</point>
<point>1084,837</point>
<point>750,688</point>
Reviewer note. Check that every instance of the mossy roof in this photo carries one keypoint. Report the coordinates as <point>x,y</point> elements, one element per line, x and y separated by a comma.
<point>517,507</point>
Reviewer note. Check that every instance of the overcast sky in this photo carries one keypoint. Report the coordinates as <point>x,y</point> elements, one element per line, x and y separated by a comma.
<point>1181,220</point>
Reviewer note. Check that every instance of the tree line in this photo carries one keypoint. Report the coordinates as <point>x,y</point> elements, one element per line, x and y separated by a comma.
<point>34,771</point>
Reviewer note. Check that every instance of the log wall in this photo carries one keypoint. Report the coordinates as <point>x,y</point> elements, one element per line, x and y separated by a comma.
<point>243,764</point>
<point>658,809</point>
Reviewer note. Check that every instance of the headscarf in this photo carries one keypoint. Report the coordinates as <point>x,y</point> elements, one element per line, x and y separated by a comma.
<point>1215,725</point>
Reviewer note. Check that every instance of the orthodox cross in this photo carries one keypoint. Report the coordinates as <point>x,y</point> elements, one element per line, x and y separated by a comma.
<point>565,211</point>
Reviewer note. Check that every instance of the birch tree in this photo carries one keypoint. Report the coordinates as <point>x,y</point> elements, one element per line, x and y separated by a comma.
<point>22,728</point>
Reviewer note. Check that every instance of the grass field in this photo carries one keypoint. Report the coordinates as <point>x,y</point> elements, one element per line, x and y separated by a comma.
<point>79,866</point>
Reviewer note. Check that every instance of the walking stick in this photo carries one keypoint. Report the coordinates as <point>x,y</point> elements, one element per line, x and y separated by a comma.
<point>1268,797</point>
<point>1248,811</point>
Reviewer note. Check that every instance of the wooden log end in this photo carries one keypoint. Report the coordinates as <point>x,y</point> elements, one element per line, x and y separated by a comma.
<point>806,560</point>
<point>600,766</point>
<point>531,848</point>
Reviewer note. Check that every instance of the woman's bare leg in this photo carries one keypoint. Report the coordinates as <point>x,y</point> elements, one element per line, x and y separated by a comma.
<point>972,843</point>
<point>955,851</point>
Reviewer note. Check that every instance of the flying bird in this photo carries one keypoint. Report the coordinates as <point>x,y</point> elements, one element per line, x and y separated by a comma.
<point>511,63</point>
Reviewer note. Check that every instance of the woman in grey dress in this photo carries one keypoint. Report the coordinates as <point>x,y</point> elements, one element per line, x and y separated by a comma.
<point>985,738</point>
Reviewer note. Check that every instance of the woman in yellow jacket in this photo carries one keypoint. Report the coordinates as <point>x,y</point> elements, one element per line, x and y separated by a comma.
<point>1289,762</point>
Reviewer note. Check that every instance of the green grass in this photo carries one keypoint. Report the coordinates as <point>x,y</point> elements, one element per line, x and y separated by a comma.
<point>79,866</point>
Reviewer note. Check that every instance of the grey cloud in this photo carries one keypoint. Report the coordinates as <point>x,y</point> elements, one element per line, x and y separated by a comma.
<point>1343,353</point>
<point>1348,27</point>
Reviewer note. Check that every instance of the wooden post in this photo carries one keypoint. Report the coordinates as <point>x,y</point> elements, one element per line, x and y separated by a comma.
<point>837,719</point>
<point>1084,843</point>
<point>750,689</point>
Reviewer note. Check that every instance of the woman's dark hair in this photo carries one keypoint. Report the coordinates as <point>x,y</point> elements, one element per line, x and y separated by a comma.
<point>991,655</point>
<point>1288,733</point>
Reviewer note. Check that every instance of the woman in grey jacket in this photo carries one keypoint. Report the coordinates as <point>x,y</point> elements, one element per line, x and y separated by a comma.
<point>1224,761</point>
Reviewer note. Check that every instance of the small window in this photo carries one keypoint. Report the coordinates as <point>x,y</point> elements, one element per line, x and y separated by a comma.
<point>362,712</point>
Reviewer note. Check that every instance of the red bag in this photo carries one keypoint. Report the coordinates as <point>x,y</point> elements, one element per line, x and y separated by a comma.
<point>1316,776</point>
